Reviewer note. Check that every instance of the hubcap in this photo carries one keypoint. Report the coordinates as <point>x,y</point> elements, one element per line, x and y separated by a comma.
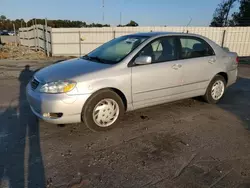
<point>106,112</point>
<point>218,90</point>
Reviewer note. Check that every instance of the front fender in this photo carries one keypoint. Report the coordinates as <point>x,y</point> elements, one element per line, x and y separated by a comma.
<point>122,84</point>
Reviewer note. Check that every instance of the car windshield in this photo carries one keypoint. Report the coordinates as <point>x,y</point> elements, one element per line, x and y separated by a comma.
<point>115,50</point>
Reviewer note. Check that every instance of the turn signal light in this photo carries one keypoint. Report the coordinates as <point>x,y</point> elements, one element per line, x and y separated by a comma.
<point>52,115</point>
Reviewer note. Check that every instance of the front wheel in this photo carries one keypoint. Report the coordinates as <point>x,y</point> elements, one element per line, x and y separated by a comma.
<point>102,111</point>
<point>215,90</point>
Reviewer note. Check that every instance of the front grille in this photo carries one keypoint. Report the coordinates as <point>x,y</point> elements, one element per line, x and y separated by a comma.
<point>34,83</point>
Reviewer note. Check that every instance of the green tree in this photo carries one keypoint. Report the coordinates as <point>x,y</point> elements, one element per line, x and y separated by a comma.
<point>2,17</point>
<point>242,18</point>
<point>7,24</point>
<point>221,14</point>
<point>132,23</point>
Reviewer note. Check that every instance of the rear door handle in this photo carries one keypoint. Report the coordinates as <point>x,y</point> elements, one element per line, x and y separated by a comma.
<point>176,66</point>
<point>212,60</point>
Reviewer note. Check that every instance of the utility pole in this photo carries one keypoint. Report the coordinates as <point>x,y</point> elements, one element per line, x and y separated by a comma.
<point>120,18</point>
<point>103,11</point>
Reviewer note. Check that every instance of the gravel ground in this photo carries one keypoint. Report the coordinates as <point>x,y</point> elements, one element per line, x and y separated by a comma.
<point>184,144</point>
<point>20,53</point>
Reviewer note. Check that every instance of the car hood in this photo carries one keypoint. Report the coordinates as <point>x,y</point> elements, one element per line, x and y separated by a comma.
<point>69,69</point>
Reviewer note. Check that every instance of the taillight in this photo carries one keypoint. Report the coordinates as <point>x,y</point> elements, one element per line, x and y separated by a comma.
<point>237,60</point>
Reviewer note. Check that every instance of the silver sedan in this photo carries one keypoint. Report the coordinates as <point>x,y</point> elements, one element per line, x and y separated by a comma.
<point>128,73</point>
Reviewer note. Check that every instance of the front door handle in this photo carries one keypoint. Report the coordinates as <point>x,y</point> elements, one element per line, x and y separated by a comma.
<point>176,66</point>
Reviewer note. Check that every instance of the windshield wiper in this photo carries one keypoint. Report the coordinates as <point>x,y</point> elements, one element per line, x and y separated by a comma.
<point>95,58</point>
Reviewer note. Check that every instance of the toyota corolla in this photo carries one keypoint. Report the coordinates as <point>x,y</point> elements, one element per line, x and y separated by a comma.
<point>128,73</point>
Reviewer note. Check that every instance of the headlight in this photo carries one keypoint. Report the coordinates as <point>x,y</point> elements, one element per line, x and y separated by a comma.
<point>58,87</point>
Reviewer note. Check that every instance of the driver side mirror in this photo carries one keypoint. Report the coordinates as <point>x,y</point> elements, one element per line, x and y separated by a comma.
<point>143,60</point>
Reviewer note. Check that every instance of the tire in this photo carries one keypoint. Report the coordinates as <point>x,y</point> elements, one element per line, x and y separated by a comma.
<point>208,97</point>
<point>108,103</point>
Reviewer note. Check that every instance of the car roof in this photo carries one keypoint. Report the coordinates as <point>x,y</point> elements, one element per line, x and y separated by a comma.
<point>160,34</point>
<point>155,34</point>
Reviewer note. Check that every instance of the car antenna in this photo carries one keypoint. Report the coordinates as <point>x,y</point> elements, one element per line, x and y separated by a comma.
<point>188,24</point>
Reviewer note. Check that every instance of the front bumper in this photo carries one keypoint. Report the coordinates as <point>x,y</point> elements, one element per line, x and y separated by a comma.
<point>69,105</point>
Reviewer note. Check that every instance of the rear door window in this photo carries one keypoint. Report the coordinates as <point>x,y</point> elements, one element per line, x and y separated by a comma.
<point>192,47</point>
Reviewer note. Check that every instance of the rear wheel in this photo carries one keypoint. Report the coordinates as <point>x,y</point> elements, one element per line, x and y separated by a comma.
<point>102,111</point>
<point>215,90</point>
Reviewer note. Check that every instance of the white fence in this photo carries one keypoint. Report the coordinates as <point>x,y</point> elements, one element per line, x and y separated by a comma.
<point>9,39</point>
<point>80,41</point>
<point>37,37</point>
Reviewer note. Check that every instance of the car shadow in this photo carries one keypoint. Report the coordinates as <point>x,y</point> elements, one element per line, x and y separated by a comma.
<point>21,163</point>
<point>237,100</point>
